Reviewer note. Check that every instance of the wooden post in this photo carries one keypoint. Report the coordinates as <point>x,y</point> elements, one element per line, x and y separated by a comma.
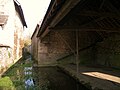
<point>77,55</point>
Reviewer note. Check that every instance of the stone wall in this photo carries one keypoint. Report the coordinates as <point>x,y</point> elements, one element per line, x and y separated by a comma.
<point>18,37</point>
<point>52,47</point>
<point>97,48</point>
<point>108,51</point>
<point>59,44</point>
<point>5,58</point>
<point>34,45</point>
<point>7,35</point>
<point>7,8</point>
<point>10,34</point>
<point>86,46</point>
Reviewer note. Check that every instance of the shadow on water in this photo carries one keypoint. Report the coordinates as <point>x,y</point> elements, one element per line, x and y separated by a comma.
<point>52,78</point>
<point>22,76</point>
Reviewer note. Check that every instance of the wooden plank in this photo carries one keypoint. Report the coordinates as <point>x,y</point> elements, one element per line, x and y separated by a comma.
<point>99,14</point>
<point>69,4</point>
<point>73,28</point>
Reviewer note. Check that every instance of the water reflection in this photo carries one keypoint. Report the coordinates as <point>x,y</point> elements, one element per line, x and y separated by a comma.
<point>29,83</point>
<point>29,79</point>
<point>28,70</point>
<point>22,76</point>
<point>52,78</point>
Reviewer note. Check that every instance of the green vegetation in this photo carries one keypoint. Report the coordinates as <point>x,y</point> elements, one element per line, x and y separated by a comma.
<point>6,83</point>
<point>27,42</point>
<point>9,54</point>
<point>14,78</point>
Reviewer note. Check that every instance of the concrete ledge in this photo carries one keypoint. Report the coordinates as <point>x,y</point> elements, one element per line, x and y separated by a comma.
<point>94,78</point>
<point>45,65</point>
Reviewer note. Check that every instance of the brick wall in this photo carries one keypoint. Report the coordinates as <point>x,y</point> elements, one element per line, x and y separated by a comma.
<point>86,46</point>
<point>34,46</point>
<point>5,58</point>
<point>108,51</point>
<point>95,48</point>
<point>58,44</point>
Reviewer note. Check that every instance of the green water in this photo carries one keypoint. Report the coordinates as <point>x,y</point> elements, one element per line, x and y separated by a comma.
<point>22,76</point>
<point>14,78</point>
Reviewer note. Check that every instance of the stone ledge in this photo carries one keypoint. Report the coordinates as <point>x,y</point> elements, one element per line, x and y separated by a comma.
<point>91,80</point>
<point>45,65</point>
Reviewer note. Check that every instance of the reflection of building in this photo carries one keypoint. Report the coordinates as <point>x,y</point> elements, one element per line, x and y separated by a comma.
<point>12,24</point>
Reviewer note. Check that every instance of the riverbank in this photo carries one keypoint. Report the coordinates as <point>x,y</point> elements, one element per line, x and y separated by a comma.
<point>94,78</point>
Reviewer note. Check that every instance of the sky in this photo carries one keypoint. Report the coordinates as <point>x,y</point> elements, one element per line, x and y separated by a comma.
<point>34,11</point>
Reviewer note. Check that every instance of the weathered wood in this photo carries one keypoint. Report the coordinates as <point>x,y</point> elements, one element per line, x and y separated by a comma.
<point>64,11</point>
<point>99,14</point>
<point>73,28</point>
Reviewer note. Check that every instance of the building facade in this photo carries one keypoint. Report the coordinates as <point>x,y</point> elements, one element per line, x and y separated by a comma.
<point>34,44</point>
<point>12,24</point>
<point>86,33</point>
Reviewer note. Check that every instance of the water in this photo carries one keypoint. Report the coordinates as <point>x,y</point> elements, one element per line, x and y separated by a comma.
<point>19,76</point>
<point>22,76</point>
<point>29,83</point>
<point>52,78</point>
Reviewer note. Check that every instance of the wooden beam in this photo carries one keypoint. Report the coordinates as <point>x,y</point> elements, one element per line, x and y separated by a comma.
<point>73,28</point>
<point>102,4</point>
<point>47,30</point>
<point>99,14</point>
<point>92,21</point>
<point>66,43</point>
<point>69,4</point>
<point>112,8</point>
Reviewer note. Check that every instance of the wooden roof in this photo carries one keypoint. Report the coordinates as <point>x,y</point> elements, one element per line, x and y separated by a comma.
<point>83,15</point>
<point>20,11</point>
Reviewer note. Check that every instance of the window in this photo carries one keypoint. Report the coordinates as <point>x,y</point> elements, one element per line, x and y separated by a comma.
<point>0,28</point>
<point>3,20</point>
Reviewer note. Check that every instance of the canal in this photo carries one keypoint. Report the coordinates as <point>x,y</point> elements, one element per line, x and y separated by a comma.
<point>22,76</point>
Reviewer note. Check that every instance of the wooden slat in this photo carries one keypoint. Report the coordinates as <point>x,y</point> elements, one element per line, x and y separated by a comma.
<point>73,28</point>
<point>99,14</point>
<point>69,4</point>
